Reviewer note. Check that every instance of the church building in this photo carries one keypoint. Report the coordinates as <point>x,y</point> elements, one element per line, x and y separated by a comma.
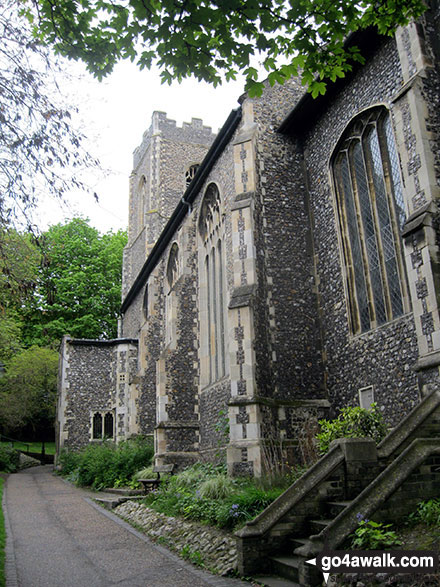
<point>277,271</point>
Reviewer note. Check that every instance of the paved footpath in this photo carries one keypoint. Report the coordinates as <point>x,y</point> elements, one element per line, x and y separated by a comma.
<point>58,537</point>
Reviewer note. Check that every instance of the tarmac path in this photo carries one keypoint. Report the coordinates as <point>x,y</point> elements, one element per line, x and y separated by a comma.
<point>58,537</point>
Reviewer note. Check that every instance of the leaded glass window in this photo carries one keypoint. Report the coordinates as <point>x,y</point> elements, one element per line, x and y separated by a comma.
<point>213,299</point>
<point>371,213</point>
<point>102,425</point>
<point>97,426</point>
<point>108,425</point>
<point>172,272</point>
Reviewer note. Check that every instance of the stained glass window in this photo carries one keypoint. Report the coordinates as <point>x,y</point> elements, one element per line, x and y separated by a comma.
<point>211,228</point>
<point>371,213</point>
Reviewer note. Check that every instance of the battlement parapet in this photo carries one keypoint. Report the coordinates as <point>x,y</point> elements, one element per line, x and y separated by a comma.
<point>190,132</point>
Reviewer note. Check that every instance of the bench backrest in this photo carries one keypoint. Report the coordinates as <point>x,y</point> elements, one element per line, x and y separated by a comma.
<point>163,468</point>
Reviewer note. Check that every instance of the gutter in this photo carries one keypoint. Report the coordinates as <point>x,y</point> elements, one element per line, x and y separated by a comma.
<point>184,205</point>
<point>103,343</point>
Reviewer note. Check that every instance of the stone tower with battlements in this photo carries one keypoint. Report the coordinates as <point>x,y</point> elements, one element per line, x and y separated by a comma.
<point>154,191</point>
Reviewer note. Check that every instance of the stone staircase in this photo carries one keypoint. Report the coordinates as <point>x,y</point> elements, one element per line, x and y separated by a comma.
<point>355,477</point>
<point>286,565</point>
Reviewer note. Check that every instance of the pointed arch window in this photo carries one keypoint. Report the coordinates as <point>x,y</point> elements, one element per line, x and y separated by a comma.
<point>212,306</point>
<point>190,173</point>
<point>142,203</point>
<point>97,426</point>
<point>371,214</point>
<point>172,274</point>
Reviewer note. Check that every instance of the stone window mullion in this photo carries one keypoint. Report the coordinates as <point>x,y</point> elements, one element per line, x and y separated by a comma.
<point>221,310</point>
<point>214,301</point>
<point>212,310</point>
<point>367,238</point>
<point>386,239</point>
<point>371,211</point>
<point>358,299</point>
<point>209,317</point>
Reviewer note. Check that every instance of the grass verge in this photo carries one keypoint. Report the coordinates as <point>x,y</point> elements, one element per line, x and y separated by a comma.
<point>49,447</point>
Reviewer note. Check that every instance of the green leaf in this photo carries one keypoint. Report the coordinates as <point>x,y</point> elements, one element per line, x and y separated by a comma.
<point>207,41</point>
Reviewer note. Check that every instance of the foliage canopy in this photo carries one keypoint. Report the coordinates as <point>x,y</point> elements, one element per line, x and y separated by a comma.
<point>19,259</point>
<point>78,287</point>
<point>212,40</point>
<point>352,422</point>
<point>28,391</point>
<point>68,281</point>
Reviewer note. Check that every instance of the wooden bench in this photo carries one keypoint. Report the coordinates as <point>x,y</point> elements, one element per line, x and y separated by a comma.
<point>151,484</point>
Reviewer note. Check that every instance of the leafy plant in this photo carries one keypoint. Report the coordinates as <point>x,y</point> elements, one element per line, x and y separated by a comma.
<point>69,461</point>
<point>78,289</point>
<point>9,459</point>
<point>206,494</point>
<point>145,473</point>
<point>427,512</point>
<point>352,422</point>
<point>217,487</point>
<point>107,464</point>
<point>193,556</point>
<point>214,41</point>
<point>28,391</point>
<point>372,535</point>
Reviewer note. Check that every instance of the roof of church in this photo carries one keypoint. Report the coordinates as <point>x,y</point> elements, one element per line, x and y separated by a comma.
<point>308,109</point>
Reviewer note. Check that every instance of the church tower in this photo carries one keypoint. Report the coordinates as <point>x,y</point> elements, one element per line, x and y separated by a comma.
<point>163,166</point>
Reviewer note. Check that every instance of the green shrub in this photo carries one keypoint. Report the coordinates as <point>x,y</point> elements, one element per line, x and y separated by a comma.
<point>106,464</point>
<point>145,473</point>
<point>69,461</point>
<point>217,487</point>
<point>9,459</point>
<point>427,512</point>
<point>352,423</point>
<point>193,556</point>
<point>373,536</point>
<point>196,474</point>
<point>204,493</point>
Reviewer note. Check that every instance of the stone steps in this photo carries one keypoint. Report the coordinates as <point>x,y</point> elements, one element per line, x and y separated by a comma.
<point>111,502</point>
<point>271,581</point>
<point>286,566</point>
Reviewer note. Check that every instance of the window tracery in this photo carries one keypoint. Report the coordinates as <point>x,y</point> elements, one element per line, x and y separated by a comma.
<point>173,265</point>
<point>102,425</point>
<point>190,173</point>
<point>211,230</point>
<point>371,213</point>
<point>172,274</point>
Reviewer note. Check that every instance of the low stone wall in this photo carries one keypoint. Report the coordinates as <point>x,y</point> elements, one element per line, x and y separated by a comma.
<point>218,550</point>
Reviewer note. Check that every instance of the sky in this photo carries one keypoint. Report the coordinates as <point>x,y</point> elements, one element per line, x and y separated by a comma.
<point>114,115</point>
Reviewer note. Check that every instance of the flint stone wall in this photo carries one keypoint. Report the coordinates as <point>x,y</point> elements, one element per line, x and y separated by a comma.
<point>217,548</point>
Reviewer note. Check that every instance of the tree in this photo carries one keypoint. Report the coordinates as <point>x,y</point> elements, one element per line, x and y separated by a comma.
<point>28,393</point>
<point>211,39</point>
<point>19,261</point>
<point>39,146</point>
<point>78,289</point>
